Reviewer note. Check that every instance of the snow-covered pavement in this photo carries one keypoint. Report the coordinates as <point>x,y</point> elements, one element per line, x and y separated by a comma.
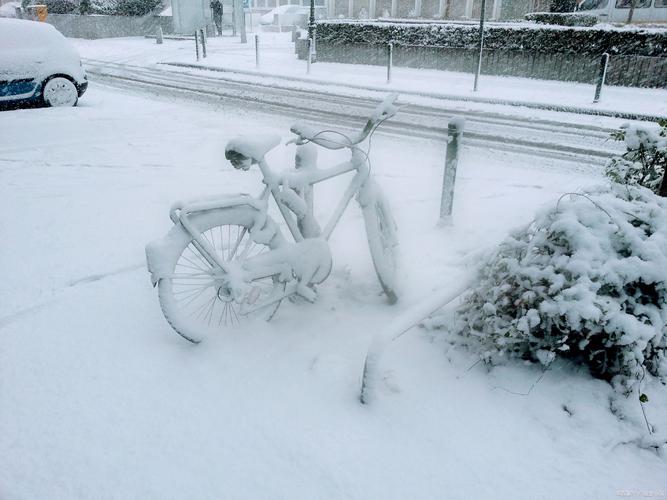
<point>100,399</point>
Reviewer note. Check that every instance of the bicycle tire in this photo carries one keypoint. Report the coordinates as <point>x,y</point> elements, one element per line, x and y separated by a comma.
<point>212,225</point>
<point>382,238</point>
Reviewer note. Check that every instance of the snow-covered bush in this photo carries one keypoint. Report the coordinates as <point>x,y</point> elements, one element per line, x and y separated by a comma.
<point>136,7</point>
<point>544,39</point>
<point>562,18</point>
<point>61,6</point>
<point>645,159</point>
<point>85,7</point>
<point>587,280</point>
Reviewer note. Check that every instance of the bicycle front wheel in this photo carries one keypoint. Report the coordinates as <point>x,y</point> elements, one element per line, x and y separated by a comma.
<point>382,239</point>
<point>195,298</point>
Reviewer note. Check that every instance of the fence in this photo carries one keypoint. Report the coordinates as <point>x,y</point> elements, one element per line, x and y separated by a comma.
<point>626,70</point>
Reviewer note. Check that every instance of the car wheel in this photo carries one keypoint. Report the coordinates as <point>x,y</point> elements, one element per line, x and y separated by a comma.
<point>60,91</point>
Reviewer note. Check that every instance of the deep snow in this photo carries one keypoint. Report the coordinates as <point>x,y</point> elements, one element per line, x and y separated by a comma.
<point>100,399</point>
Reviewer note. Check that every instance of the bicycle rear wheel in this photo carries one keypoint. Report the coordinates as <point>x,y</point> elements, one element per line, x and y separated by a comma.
<point>382,239</point>
<point>195,298</point>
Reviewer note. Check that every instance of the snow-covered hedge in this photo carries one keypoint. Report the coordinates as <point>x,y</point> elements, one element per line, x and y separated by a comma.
<point>645,159</point>
<point>562,18</point>
<point>587,280</point>
<point>61,6</point>
<point>525,37</point>
<point>136,7</point>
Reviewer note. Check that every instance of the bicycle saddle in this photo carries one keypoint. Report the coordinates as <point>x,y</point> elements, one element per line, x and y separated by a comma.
<point>244,151</point>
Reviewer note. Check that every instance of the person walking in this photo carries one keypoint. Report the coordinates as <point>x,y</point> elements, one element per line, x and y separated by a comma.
<point>216,9</point>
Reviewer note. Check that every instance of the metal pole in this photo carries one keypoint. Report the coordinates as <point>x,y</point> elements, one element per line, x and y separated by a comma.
<point>390,60</point>
<point>159,36</point>
<point>309,56</point>
<point>234,26</point>
<point>454,132</point>
<point>197,45</point>
<point>203,43</point>
<point>244,38</point>
<point>604,61</point>
<point>311,23</point>
<point>257,51</point>
<point>481,45</point>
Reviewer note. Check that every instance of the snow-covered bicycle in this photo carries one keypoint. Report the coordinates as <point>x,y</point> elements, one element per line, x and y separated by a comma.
<point>225,260</point>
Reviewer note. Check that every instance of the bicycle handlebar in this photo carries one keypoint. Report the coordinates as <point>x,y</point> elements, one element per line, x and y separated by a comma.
<point>332,139</point>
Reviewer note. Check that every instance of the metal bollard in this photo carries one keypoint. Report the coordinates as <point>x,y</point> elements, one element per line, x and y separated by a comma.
<point>203,42</point>
<point>313,50</point>
<point>309,55</point>
<point>257,51</point>
<point>244,36</point>
<point>159,36</point>
<point>390,60</point>
<point>454,132</point>
<point>197,45</point>
<point>604,61</point>
<point>478,69</point>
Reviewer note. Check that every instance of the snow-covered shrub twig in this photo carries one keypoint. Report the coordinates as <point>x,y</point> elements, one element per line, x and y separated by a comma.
<point>587,280</point>
<point>645,159</point>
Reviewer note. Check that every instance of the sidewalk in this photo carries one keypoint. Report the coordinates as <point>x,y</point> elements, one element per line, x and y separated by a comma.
<point>278,62</point>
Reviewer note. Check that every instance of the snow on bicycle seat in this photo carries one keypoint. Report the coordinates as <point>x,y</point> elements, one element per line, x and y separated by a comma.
<point>252,147</point>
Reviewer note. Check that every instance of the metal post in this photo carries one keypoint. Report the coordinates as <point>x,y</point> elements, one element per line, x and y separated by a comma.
<point>604,61</point>
<point>390,60</point>
<point>234,23</point>
<point>244,38</point>
<point>481,45</point>
<point>257,51</point>
<point>159,36</point>
<point>313,51</point>
<point>197,44</point>
<point>309,56</point>
<point>454,132</point>
<point>203,43</point>
<point>311,21</point>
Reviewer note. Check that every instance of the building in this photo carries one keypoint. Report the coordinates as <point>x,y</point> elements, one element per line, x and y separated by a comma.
<point>420,9</point>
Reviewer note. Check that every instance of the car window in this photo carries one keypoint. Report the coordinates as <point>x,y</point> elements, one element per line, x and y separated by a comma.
<point>639,4</point>
<point>660,4</point>
<point>593,4</point>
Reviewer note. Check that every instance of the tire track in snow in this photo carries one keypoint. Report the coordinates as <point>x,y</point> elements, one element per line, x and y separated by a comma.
<point>84,280</point>
<point>565,141</point>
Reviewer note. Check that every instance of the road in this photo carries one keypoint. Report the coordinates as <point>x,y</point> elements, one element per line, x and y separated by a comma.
<point>542,136</point>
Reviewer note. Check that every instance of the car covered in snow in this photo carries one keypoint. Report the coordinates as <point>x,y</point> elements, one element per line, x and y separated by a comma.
<point>292,15</point>
<point>38,65</point>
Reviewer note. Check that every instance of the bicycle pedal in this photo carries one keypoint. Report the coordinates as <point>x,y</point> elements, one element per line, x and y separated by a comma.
<point>306,292</point>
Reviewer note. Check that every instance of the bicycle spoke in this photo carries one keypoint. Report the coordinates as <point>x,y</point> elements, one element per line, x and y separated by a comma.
<point>234,312</point>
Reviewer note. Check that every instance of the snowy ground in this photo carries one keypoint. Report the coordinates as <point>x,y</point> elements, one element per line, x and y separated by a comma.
<point>278,62</point>
<point>100,399</point>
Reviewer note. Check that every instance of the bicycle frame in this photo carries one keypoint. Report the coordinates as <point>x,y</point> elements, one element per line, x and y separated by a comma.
<point>314,176</point>
<point>307,177</point>
<point>273,183</point>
